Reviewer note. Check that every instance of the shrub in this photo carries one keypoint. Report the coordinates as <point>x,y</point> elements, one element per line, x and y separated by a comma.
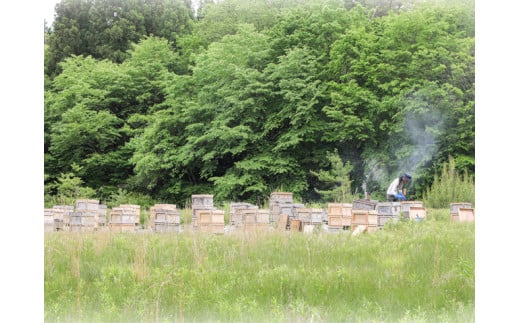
<point>450,187</point>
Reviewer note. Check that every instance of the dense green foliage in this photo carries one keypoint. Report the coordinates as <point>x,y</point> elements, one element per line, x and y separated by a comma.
<point>408,272</point>
<point>449,186</point>
<point>247,97</point>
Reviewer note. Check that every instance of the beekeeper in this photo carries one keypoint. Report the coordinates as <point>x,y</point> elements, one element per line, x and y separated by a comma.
<point>397,189</point>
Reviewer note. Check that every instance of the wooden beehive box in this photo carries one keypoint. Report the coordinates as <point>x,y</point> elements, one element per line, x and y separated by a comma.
<point>464,215</point>
<point>318,215</point>
<point>102,215</point>
<point>282,222</point>
<point>262,216</point>
<point>417,213</point>
<point>388,208</point>
<point>364,204</point>
<point>136,209</point>
<point>383,219</point>
<point>454,207</point>
<point>405,205</point>
<point>281,197</point>
<point>167,216</point>
<point>87,204</point>
<point>63,212</point>
<point>303,214</point>
<point>48,220</point>
<point>121,215</point>
<point>343,209</point>
<point>201,200</point>
<point>335,221</point>
<point>295,225</point>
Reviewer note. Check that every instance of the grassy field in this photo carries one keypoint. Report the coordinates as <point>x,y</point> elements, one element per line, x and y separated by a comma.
<point>407,272</point>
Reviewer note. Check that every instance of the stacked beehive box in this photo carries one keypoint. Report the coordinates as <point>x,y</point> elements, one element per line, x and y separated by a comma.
<point>166,218</point>
<point>405,208</point>
<point>102,217</point>
<point>235,211</point>
<point>281,203</point>
<point>252,220</point>
<point>200,202</point>
<point>366,218</point>
<point>462,212</point>
<point>339,216</point>
<point>417,213</point>
<point>211,221</point>
<point>364,204</point>
<point>85,217</point>
<point>295,225</point>
<point>136,209</point>
<point>387,211</point>
<point>124,218</point>
<point>48,220</point>
<point>310,218</point>
<point>62,216</point>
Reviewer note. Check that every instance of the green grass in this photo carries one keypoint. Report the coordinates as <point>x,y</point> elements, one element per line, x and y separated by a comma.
<point>408,272</point>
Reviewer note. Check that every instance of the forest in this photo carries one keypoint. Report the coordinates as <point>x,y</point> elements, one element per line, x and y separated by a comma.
<point>161,99</point>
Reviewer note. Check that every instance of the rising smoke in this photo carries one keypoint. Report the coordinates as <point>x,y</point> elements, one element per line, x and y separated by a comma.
<point>423,115</point>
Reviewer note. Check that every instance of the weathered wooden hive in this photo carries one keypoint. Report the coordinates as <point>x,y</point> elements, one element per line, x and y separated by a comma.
<point>405,207</point>
<point>211,221</point>
<point>252,220</point>
<point>339,216</point>
<point>200,202</point>
<point>387,211</point>
<point>280,203</point>
<point>235,211</point>
<point>165,218</point>
<point>364,204</point>
<point>62,216</point>
<point>310,218</point>
<point>124,218</point>
<point>48,220</point>
<point>462,212</point>
<point>367,218</point>
<point>85,217</point>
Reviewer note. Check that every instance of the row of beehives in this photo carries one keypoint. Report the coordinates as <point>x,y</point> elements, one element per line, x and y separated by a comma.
<point>283,213</point>
<point>89,215</point>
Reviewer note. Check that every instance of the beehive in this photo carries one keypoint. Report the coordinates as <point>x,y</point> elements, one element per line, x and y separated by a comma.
<point>165,218</point>
<point>48,220</point>
<point>417,213</point>
<point>63,212</point>
<point>136,210</point>
<point>406,205</point>
<point>200,202</point>
<point>454,210</point>
<point>282,222</point>
<point>363,204</point>
<point>123,219</point>
<point>211,221</point>
<point>342,210</point>
<point>280,203</point>
<point>388,208</point>
<point>235,209</point>
<point>464,215</point>
<point>295,225</point>
<point>83,221</point>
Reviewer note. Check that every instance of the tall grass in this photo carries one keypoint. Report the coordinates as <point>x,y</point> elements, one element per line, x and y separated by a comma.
<point>408,272</point>
<point>450,187</point>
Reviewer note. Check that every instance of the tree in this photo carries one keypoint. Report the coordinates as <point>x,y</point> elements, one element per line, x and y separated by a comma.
<point>106,29</point>
<point>336,179</point>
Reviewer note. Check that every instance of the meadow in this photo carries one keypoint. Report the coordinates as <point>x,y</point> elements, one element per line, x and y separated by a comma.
<point>406,272</point>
